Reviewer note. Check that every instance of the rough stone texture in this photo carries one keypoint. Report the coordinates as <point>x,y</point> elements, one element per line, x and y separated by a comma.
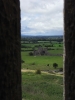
<point>69,37</point>
<point>10,63</point>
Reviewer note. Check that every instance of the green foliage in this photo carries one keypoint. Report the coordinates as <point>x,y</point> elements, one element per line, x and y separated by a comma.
<point>33,63</point>
<point>55,65</point>
<point>38,71</point>
<point>30,53</point>
<point>47,64</point>
<point>52,46</point>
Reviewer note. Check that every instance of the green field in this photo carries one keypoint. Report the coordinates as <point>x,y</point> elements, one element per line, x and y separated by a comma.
<point>53,45</point>
<point>41,87</point>
<point>40,62</point>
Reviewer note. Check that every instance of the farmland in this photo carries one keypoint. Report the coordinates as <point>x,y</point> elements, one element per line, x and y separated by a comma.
<point>44,62</point>
<point>41,87</point>
<point>54,49</point>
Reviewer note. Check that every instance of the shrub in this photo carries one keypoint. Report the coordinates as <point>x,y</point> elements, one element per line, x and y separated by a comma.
<point>38,71</point>
<point>47,64</point>
<point>59,45</point>
<point>31,53</point>
<point>55,65</point>
<point>33,63</point>
<point>60,69</point>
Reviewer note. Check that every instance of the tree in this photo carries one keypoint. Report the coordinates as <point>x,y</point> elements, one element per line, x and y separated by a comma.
<point>38,71</point>
<point>30,53</point>
<point>55,65</point>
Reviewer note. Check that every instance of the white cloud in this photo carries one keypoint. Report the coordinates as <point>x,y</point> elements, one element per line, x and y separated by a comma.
<point>41,16</point>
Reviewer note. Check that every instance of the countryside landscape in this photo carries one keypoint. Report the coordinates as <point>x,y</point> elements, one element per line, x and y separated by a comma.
<point>42,67</point>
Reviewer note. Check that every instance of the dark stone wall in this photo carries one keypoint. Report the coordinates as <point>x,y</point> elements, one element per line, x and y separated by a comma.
<point>10,57</point>
<point>69,39</point>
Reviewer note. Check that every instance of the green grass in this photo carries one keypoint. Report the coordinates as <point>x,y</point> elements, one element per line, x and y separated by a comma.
<point>56,51</point>
<point>41,87</point>
<point>40,61</point>
<point>43,43</point>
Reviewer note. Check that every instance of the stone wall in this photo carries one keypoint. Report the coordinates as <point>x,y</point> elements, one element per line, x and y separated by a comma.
<point>10,57</point>
<point>69,39</point>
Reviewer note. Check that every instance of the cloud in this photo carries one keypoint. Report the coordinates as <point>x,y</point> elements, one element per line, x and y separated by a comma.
<point>41,16</point>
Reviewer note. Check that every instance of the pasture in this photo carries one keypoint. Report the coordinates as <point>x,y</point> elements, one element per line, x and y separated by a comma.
<point>42,86</point>
<point>40,62</point>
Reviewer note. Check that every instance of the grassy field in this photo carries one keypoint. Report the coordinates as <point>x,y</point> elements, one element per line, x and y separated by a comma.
<point>40,62</point>
<point>53,45</point>
<point>41,87</point>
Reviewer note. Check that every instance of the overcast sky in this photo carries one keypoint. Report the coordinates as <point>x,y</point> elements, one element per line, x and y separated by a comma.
<point>41,17</point>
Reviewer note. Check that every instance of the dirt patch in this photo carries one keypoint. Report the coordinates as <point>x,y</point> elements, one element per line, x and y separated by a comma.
<point>28,70</point>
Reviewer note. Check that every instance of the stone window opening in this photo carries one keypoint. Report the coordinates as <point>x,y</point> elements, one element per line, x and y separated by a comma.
<point>10,73</point>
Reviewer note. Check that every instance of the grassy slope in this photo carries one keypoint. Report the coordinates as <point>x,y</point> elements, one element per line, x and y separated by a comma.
<point>41,87</point>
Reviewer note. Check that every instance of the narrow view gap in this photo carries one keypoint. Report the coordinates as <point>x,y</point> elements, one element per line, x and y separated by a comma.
<point>42,49</point>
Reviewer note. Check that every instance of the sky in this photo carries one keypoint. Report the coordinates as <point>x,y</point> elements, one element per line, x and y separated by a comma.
<point>41,17</point>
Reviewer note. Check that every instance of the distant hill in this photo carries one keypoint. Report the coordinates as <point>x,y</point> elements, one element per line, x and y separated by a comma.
<point>54,36</point>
